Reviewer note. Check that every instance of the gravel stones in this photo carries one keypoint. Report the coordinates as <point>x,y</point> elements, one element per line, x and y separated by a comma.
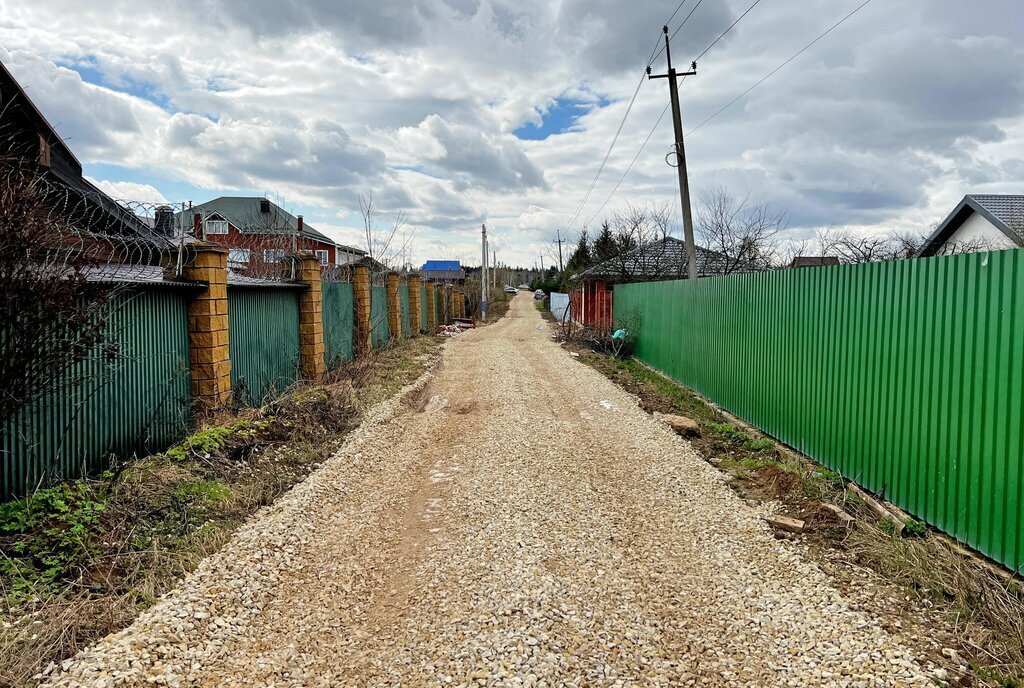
<point>539,530</point>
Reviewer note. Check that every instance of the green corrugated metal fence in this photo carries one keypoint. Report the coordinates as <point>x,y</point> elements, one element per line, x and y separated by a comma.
<point>904,376</point>
<point>423,308</point>
<point>338,322</point>
<point>379,330</point>
<point>263,327</point>
<point>136,402</point>
<point>403,302</point>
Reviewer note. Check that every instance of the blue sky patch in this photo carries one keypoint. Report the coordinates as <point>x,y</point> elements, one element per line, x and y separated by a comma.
<point>558,119</point>
<point>90,72</point>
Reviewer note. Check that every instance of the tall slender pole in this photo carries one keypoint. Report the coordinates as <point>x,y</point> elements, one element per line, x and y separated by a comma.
<point>684,184</point>
<point>483,273</point>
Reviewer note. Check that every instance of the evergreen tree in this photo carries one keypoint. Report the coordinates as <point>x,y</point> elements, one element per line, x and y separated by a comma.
<point>605,246</point>
<point>581,258</point>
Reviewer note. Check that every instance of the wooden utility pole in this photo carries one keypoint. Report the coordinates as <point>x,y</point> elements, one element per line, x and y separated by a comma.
<point>559,241</point>
<point>684,184</point>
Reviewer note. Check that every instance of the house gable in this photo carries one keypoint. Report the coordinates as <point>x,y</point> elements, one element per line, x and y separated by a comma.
<point>981,220</point>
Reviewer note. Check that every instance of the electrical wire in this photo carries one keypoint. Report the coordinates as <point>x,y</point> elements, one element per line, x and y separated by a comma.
<point>777,69</point>
<point>600,169</point>
<point>722,35</point>
<point>632,162</point>
<point>704,52</point>
<point>678,29</point>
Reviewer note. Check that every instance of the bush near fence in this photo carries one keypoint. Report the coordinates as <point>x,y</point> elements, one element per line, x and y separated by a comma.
<point>904,376</point>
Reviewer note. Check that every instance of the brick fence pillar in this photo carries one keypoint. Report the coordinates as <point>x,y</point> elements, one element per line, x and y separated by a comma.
<point>431,307</point>
<point>361,304</point>
<point>415,306</point>
<point>394,307</point>
<point>311,320</point>
<point>208,327</point>
<point>453,308</point>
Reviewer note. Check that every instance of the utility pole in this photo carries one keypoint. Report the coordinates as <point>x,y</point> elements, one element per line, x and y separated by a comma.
<point>684,184</point>
<point>494,280</point>
<point>542,265</point>
<point>559,241</point>
<point>483,273</point>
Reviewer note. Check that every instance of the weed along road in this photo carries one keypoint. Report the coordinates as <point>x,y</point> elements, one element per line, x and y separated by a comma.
<point>515,519</point>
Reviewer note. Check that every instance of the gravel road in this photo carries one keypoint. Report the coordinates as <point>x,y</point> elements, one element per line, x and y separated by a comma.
<point>538,530</point>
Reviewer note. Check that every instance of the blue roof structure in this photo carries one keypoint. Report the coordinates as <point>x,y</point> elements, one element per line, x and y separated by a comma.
<point>441,266</point>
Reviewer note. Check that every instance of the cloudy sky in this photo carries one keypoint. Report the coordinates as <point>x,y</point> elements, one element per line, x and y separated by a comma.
<point>460,112</point>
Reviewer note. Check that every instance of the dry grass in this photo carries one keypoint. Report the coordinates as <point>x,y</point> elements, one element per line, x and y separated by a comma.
<point>163,514</point>
<point>946,594</point>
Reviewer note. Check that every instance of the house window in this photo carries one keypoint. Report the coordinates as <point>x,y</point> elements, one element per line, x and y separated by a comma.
<point>273,255</point>
<point>324,257</point>
<point>238,256</point>
<point>216,227</point>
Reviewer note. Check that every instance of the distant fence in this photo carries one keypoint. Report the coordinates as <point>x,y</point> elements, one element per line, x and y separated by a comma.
<point>559,304</point>
<point>904,376</point>
<point>141,400</point>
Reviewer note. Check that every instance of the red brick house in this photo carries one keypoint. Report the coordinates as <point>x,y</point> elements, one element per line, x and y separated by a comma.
<point>259,233</point>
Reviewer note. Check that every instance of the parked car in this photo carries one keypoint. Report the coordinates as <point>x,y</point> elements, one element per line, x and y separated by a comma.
<point>539,295</point>
<point>524,286</point>
<point>509,289</point>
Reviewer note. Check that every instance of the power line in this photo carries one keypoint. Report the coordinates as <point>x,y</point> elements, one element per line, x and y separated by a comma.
<point>678,29</point>
<point>604,162</point>
<point>722,35</point>
<point>632,162</point>
<point>772,73</point>
<point>665,109</point>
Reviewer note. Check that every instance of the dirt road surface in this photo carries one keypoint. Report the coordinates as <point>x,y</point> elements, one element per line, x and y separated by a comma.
<point>539,530</point>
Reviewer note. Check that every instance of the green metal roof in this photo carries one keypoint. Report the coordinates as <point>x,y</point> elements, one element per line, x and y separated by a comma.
<point>244,213</point>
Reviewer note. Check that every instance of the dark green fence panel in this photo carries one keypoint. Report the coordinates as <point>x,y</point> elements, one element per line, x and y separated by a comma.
<point>423,308</point>
<point>403,301</point>
<point>136,402</point>
<point>338,322</point>
<point>379,330</point>
<point>904,376</point>
<point>263,326</point>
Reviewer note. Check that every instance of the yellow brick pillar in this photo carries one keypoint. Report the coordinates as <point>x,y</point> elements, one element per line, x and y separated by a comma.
<point>208,327</point>
<point>453,307</point>
<point>311,319</point>
<point>431,308</point>
<point>415,306</point>
<point>394,307</point>
<point>361,304</point>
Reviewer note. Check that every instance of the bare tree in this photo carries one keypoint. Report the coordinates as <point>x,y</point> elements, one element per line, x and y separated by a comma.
<point>744,235</point>
<point>55,291</point>
<point>640,231</point>
<point>387,247</point>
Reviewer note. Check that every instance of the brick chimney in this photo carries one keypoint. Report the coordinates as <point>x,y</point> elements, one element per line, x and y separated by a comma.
<point>197,225</point>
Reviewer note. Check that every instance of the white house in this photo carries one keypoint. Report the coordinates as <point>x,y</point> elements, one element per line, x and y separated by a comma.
<point>981,222</point>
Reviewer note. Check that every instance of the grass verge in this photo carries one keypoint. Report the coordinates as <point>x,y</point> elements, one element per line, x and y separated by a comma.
<point>81,559</point>
<point>953,607</point>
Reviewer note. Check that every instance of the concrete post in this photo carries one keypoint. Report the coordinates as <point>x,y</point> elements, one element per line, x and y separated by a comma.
<point>208,327</point>
<point>415,306</point>
<point>431,307</point>
<point>311,320</point>
<point>394,307</point>
<point>361,304</point>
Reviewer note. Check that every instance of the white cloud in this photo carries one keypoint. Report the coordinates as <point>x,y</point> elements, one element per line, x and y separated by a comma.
<point>885,123</point>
